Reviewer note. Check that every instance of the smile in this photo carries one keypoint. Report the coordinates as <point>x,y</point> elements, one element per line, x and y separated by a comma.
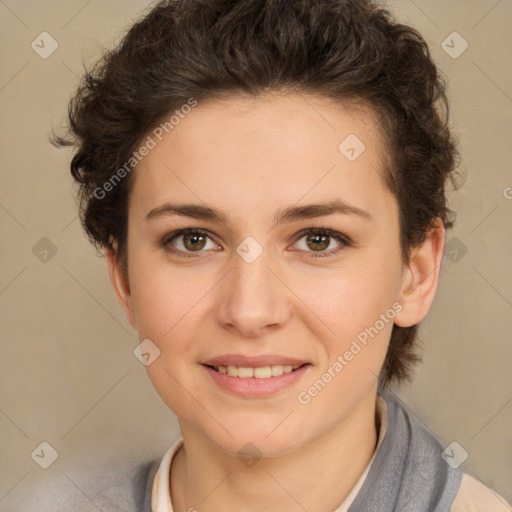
<point>258,381</point>
<point>261,372</point>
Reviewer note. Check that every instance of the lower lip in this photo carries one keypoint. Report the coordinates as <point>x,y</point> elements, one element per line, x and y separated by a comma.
<point>253,387</point>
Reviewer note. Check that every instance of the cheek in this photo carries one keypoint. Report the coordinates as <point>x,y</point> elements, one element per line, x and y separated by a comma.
<point>167,304</point>
<point>359,313</point>
<point>356,304</point>
<point>163,297</point>
<point>350,298</point>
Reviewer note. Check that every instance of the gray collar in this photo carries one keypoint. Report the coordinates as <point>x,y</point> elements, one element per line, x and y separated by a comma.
<point>408,473</point>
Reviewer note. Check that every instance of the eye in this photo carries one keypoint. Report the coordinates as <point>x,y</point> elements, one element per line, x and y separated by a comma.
<point>320,239</point>
<point>185,241</point>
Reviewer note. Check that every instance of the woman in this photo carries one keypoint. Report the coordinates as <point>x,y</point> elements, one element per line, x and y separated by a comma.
<point>267,178</point>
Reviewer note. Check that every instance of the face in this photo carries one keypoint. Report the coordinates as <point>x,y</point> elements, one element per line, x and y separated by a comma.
<point>265,280</point>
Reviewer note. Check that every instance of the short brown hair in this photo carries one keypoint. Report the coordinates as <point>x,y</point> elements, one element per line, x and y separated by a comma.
<point>348,50</point>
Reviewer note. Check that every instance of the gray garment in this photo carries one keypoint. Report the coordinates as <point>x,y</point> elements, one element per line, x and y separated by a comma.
<point>149,485</point>
<point>408,473</point>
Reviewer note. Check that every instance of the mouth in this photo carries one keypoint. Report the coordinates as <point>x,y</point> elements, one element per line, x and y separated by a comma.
<point>255,377</point>
<point>259,372</point>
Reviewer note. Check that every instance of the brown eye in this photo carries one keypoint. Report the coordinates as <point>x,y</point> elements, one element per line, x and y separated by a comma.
<point>194,241</point>
<point>187,241</point>
<point>318,240</point>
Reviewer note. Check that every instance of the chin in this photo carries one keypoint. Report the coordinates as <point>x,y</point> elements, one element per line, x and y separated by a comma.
<point>254,440</point>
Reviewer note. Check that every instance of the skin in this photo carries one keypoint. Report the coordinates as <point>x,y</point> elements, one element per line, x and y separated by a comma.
<point>251,157</point>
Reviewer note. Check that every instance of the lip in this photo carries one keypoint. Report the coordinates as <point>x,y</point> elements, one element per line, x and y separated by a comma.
<point>253,362</point>
<point>253,387</point>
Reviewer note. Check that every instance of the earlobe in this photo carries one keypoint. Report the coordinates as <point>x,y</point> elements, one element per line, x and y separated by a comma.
<point>420,278</point>
<point>120,284</point>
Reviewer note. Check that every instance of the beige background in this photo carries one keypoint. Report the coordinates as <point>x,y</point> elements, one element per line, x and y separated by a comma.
<point>68,375</point>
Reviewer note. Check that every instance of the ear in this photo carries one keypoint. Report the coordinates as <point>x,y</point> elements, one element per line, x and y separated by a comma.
<point>120,284</point>
<point>420,278</point>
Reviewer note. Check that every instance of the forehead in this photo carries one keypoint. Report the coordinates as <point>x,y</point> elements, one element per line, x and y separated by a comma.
<point>252,155</point>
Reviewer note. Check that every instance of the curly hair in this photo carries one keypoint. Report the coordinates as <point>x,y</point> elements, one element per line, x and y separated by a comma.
<point>351,51</point>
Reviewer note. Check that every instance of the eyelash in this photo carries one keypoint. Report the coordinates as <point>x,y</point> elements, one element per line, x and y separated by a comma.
<point>344,240</point>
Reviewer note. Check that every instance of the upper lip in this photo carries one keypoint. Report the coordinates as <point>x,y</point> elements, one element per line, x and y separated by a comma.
<point>253,362</point>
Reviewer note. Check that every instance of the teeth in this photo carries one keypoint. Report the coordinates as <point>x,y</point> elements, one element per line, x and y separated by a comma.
<point>276,370</point>
<point>244,372</point>
<point>262,372</point>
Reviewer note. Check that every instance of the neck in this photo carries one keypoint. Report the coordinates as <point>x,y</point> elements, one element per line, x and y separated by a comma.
<point>317,476</point>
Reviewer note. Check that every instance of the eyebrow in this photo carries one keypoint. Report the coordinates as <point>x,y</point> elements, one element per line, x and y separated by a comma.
<point>290,214</point>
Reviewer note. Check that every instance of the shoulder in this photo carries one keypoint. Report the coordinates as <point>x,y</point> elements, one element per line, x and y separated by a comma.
<point>132,490</point>
<point>147,484</point>
<point>474,496</point>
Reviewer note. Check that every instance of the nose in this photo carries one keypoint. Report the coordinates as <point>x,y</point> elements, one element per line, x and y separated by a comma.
<point>253,300</point>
